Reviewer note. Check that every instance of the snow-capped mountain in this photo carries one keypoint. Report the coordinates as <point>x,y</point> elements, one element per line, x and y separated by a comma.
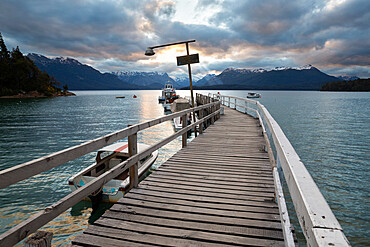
<point>77,75</point>
<point>205,80</point>
<point>279,78</point>
<point>149,80</point>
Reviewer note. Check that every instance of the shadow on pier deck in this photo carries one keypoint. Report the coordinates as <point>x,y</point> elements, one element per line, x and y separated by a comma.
<point>217,191</point>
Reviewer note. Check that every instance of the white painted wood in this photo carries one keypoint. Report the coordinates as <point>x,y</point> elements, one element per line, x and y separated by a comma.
<point>328,237</point>
<point>312,210</point>
<point>284,216</point>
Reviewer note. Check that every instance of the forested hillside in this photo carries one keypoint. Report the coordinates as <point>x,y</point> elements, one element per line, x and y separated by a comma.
<point>19,75</point>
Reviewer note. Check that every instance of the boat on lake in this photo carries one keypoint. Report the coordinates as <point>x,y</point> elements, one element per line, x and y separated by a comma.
<point>254,95</point>
<point>180,105</point>
<point>107,158</point>
<point>168,94</point>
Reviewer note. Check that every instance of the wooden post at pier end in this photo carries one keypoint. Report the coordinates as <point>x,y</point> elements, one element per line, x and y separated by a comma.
<point>39,239</point>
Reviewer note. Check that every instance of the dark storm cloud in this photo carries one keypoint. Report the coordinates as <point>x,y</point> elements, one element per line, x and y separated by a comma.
<point>97,28</point>
<point>249,33</point>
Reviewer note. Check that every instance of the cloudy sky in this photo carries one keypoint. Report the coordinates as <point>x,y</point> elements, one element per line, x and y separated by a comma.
<point>111,35</point>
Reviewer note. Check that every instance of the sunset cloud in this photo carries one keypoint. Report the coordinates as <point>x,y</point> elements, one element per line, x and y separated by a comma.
<point>112,35</point>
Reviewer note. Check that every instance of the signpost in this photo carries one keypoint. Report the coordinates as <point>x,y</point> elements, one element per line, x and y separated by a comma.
<point>188,59</point>
<point>182,60</point>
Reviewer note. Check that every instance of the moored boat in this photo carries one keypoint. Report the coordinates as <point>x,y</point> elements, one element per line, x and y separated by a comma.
<point>254,95</point>
<point>168,94</point>
<point>107,158</point>
<point>180,105</point>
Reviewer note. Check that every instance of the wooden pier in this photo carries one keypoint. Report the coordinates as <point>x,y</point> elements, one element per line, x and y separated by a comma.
<point>221,189</point>
<point>218,191</point>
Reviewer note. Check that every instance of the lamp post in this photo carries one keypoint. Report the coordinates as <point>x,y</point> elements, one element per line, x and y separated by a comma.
<point>188,59</point>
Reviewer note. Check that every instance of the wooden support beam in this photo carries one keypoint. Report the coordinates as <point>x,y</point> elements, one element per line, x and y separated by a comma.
<point>185,135</point>
<point>132,150</point>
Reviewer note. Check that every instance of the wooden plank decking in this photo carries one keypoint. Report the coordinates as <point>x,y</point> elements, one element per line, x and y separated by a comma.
<point>218,191</point>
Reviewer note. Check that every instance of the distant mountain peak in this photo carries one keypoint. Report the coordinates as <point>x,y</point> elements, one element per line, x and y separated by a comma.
<point>66,60</point>
<point>60,60</point>
<point>137,73</point>
<point>262,70</point>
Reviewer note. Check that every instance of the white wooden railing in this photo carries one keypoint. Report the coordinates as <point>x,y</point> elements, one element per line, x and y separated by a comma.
<point>23,171</point>
<point>319,225</point>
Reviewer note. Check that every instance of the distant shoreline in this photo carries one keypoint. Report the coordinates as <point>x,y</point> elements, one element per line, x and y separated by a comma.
<point>36,95</point>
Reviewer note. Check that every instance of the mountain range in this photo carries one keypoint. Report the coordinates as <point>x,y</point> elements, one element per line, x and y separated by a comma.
<point>79,76</point>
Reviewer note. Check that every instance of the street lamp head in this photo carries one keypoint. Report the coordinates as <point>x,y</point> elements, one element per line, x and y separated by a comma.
<point>149,52</point>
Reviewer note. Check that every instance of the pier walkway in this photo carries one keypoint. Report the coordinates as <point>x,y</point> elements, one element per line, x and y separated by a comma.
<point>217,191</point>
<point>221,189</point>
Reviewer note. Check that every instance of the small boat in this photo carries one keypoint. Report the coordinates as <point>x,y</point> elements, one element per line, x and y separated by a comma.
<point>134,96</point>
<point>177,122</point>
<point>168,94</point>
<point>107,158</point>
<point>120,97</point>
<point>180,105</point>
<point>254,95</point>
<point>167,106</point>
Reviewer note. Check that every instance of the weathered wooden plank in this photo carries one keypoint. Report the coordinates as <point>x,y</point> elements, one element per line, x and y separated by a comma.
<point>196,225</point>
<point>204,184</point>
<point>226,157</point>
<point>205,177</point>
<point>186,195</point>
<point>256,163</point>
<point>210,183</point>
<point>94,240</point>
<point>210,173</point>
<point>191,208</point>
<point>181,190</point>
<point>194,235</point>
<point>146,238</point>
<point>162,198</point>
<point>211,169</point>
<point>193,216</point>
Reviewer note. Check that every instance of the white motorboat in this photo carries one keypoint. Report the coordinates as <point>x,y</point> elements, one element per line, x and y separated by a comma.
<point>254,95</point>
<point>177,122</point>
<point>180,105</point>
<point>168,94</point>
<point>107,158</point>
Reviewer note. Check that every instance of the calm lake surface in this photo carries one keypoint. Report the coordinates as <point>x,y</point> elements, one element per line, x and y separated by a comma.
<point>329,131</point>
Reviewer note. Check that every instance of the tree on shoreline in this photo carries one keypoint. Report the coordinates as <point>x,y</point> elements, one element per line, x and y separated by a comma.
<point>359,85</point>
<point>19,75</point>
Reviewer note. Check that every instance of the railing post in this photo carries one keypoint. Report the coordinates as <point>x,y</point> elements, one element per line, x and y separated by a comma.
<point>212,111</point>
<point>185,135</point>
<point>132,150</point>
<point>201,124</point>
<point>235,104</point>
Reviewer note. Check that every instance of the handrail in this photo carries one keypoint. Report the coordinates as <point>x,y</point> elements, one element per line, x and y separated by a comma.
<point>22,230</point>
<point>23,171</point>
<point>317,221</point>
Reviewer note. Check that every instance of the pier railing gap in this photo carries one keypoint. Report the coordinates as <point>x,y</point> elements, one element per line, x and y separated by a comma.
<point>209,112</point>
<point>319,225</point>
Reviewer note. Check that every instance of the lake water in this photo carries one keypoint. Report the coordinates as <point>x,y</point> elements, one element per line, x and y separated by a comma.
<point>329,131</point>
